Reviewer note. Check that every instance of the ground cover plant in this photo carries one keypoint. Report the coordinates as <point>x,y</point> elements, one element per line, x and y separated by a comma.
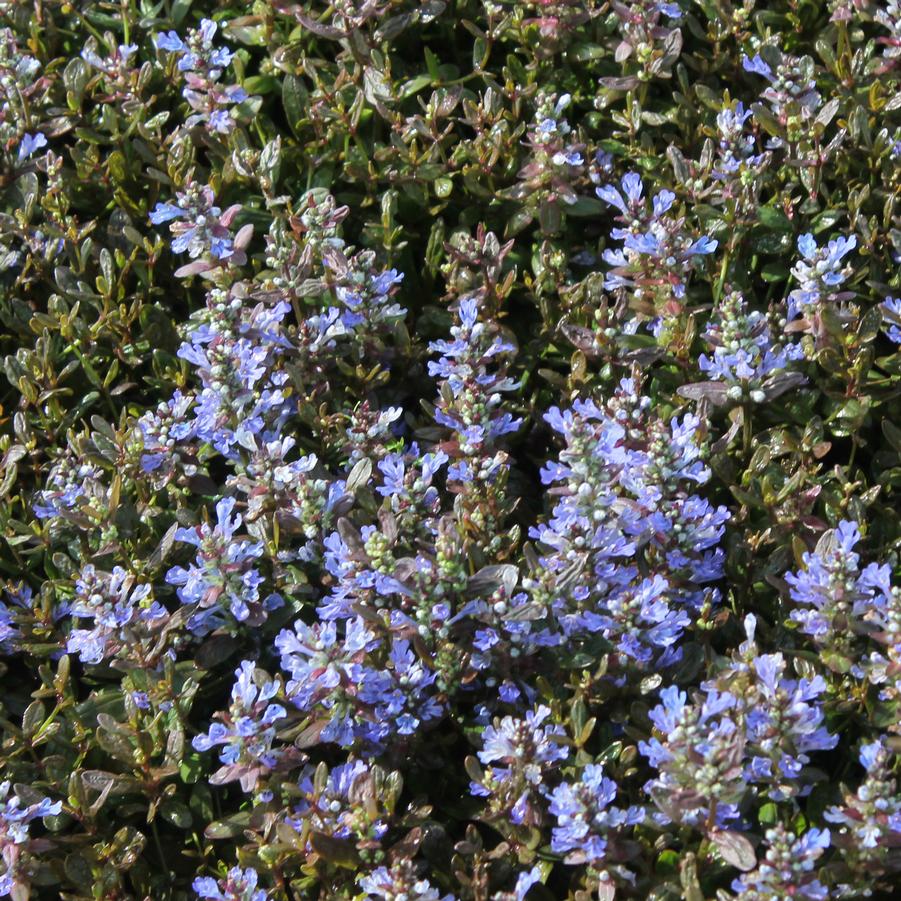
<point>450,450</point>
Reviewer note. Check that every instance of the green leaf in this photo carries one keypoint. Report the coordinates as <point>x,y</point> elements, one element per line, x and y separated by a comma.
<point>295,100</point>
<point>768,815</point>
<point>179,10</point>
<point>176,813</point>
<point>585,207</point>
<point>774,272</point>
<point>230,827</point>
<point>775,219</point>
<point>335,850</point>
<point>583,53</point>
<point>415,85</point>
<point>735,849</point>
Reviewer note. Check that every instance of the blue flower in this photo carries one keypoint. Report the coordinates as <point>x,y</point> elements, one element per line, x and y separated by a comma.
<point>30,143</point>
<point>744,352</point>
<point>870,755</point>
<point>203,65</point>
<point>71,484</point>
<point>15,817</point>
<point>669,713</point>
<point>471,408</point>
<point>632,188</point>
<point>656,250</point>
<point>169,41</point>
<point>223,576</point>
<point>514,739</point>
<point>368,691</point>
<point>586,817</point>
<point>891,309</point>
<point>757,66</point>
<point>567,158</point>
<point>10,635</point>
<point>198,225</point>
<point>238,885</point>
<point>524,881</point>
<point>617,490</point>
<point>703,245</point>
<point>124,618</point>
<point>870,818</point>
<point>400,881</point>
<point>522,751</point>
<point>669,9</point>
<point>830,591</point>
<point>166,212</point>
<point>247,731</point>
<point>787,870</point>
<point>332,803</point>
<point>736,148</point>
<point>750,724</point>
<point>365,293</point>
<point>819,272</point>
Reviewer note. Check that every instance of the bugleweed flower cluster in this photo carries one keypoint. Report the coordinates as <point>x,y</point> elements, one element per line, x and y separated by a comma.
<point>450,450</point>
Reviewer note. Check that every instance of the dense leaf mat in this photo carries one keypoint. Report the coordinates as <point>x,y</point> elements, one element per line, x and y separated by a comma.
<point>450,450</point>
